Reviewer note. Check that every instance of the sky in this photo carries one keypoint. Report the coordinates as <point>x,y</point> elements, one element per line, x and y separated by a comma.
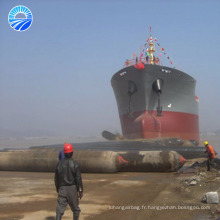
<point>56,75</point>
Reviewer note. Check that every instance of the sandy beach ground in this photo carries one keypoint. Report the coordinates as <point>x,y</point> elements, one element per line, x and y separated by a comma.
<point>25,195</point>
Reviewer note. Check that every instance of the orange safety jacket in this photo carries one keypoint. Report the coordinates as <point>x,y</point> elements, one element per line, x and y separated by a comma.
<point>210,151</point>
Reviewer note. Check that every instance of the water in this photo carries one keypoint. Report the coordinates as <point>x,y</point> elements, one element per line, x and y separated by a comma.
<point>26,142</point>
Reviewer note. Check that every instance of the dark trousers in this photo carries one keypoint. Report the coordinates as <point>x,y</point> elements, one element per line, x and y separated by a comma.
<point>209,163</point>
<point>67,195</point>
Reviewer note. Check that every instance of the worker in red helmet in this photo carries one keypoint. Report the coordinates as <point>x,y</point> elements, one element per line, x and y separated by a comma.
<point>210,154</point>
<point>68,184</point>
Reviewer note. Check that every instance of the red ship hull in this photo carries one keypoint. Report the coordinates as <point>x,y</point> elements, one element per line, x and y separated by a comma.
<point>146,124</point>
<point>139,103</point>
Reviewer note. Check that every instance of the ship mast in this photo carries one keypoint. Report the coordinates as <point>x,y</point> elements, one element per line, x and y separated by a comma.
<point>151,50</point>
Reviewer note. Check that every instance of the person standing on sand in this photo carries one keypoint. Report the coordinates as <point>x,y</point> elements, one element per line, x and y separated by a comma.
<point>210,153</point>
<point>68,184</point>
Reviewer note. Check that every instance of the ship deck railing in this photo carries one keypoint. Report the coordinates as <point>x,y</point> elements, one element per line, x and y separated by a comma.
<point>143,60</point>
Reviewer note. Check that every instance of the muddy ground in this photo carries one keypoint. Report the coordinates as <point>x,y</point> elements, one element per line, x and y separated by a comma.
<point>25,196</point>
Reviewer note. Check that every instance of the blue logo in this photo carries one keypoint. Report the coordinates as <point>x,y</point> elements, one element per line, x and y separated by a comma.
<point>20,18</point>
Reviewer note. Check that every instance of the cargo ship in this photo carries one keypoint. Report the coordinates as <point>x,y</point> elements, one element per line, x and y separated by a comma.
<point>155,101</point>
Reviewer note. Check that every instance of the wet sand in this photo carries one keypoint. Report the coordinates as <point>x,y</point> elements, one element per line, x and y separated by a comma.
<point>25,196</point>
<point>129,196</point>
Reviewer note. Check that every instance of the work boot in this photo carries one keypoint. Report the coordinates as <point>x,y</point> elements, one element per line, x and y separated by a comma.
<point>76,216</point>
<point>58,216</point>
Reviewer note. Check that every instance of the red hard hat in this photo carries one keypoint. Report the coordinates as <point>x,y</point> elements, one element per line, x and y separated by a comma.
<point>68,148</point>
